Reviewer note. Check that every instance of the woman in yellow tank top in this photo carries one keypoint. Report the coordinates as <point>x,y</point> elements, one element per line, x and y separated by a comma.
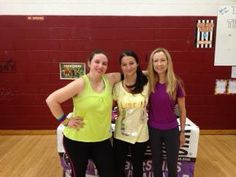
<point>131,130</point>
<point>87,133</point>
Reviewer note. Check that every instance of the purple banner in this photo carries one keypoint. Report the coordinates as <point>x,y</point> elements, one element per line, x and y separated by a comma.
<point>185,168</point>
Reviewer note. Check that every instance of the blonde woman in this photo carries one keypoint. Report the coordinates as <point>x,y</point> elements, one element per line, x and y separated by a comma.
<point>166,91</point>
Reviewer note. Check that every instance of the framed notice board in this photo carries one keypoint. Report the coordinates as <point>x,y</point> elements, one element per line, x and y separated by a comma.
<point>225,49</point>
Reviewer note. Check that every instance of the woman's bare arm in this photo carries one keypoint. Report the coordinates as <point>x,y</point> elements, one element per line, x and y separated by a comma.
<point>55,99</point>
<point>114,77</point>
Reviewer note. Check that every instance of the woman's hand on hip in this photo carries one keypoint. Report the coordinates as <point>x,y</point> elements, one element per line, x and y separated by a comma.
<point>76,122</point>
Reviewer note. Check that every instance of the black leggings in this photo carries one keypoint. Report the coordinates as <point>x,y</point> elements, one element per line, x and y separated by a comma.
<point>171,140</point>
<point>80,152</point>
<point>121,150</point>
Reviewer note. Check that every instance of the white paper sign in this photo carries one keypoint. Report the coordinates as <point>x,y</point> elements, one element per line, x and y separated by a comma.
<point>232,87</point>
<point>225,52</point>
<point>233,72</point>
<point>220,86</point>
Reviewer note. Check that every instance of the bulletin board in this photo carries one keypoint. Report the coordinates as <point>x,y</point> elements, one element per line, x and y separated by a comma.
<point>225,49</point>
<point>71,71</point>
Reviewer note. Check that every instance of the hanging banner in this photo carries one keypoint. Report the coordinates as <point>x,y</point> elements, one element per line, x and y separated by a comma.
<point>204,36</point>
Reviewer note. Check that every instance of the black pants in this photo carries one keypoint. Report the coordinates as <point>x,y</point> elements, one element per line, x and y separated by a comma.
<point>121,150</point>
<point>100,152</point>
<point>171,141</point>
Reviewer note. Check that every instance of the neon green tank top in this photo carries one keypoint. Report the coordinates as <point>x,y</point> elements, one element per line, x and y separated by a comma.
<point>95,109</point>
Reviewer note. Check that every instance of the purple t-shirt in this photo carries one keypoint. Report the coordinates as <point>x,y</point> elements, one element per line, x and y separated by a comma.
<point>162,108</point>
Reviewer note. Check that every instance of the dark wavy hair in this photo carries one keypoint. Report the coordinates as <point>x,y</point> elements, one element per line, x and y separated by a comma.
<point>141,79</point>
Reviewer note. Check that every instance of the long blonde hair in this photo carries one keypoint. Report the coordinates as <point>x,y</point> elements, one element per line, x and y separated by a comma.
<point>171,79</point>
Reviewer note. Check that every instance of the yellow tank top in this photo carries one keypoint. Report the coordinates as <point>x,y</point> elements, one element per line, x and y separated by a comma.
<point>96,110</point>
<point>132,113</point>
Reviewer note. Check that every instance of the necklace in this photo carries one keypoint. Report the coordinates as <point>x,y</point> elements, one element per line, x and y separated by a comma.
<point>128,86</point>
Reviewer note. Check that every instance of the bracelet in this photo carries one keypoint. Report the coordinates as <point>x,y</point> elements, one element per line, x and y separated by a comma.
<point>65,122</point>
<point>62,118</point>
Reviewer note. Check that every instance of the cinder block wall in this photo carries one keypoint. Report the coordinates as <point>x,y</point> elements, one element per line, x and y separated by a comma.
<point>30,52</point>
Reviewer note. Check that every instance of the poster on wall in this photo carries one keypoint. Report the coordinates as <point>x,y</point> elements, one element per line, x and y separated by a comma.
<point>204,36</point>
<point>226,36</point>
<point>233,72</point>
<point>71,71</point>
<point>231,87</point>
<point>221,86</point>
<point>225,86</point>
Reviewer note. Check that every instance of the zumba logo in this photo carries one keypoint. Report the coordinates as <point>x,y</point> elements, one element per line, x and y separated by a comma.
<point>184,150</point>
<point>147,169</point>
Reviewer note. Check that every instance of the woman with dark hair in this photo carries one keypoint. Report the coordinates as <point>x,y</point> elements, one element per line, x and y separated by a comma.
<point>131,131</point>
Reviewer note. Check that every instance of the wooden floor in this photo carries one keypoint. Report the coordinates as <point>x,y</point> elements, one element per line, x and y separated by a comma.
<point>36,156</point>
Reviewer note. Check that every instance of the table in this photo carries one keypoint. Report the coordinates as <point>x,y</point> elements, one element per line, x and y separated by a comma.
<point>186,161</point>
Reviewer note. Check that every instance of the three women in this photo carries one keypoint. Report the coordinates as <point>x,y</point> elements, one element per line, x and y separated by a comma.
<point>87,134</point>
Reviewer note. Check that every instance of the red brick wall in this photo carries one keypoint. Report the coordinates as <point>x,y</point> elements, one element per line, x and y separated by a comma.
<point>30,52</point>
